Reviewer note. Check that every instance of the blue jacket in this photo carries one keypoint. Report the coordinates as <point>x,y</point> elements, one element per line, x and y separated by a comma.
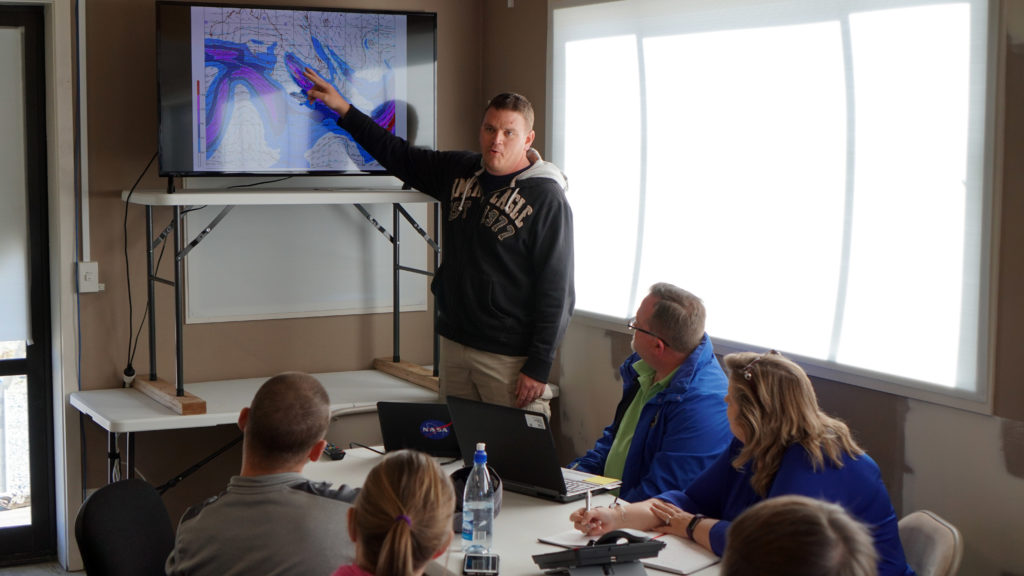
<point>680,431</point>
<point>722,493</point>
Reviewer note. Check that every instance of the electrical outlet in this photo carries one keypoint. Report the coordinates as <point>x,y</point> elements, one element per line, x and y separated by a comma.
<point>88,277</point>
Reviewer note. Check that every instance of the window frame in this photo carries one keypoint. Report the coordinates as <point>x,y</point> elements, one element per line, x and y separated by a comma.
<point>980,400</point>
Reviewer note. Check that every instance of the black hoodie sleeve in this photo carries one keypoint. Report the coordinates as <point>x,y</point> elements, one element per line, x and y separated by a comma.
<point>554,290</point>
<point>428,171</point>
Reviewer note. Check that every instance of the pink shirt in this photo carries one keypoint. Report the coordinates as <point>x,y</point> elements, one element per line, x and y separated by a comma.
<point>351,570</point>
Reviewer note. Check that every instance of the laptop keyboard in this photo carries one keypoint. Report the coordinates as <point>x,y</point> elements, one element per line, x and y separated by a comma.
<point>574,486</point>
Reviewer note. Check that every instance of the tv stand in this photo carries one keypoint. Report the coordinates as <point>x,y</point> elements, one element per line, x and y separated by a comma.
<point>175,396</point>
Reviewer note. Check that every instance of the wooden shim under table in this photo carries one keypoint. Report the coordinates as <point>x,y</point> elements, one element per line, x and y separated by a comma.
<point>409,372</point>
<point>166,394</point>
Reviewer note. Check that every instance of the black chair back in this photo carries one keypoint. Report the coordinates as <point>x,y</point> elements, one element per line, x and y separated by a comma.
<point>123,529</point>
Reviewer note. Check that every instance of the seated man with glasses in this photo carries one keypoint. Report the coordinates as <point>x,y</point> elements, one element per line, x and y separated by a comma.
<point>671,421</point>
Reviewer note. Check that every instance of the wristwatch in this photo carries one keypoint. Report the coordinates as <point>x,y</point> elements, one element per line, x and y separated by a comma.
<point>693,524</point>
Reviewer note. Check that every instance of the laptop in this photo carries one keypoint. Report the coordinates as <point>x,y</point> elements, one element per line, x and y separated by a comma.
<point>521,449</point>
<point>426,427</point>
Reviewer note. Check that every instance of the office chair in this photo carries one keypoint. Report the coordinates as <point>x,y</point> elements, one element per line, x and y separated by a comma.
<point>123,529</point>
<point>933,546</point>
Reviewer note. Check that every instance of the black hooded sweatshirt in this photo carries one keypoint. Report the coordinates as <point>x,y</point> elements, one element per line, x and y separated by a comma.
<point>505,283</point>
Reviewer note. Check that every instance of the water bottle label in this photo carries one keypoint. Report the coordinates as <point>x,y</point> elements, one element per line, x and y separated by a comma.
<point>477,531</point>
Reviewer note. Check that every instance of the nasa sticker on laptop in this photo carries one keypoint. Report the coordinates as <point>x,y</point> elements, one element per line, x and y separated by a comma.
<point>435,429</point>
<point>535,421</point>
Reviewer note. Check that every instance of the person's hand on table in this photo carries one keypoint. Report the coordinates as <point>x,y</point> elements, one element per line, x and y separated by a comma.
<point>673,518</point>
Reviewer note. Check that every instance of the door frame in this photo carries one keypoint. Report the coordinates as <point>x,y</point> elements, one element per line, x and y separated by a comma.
<point>38,539</point>
<point>59,38</point>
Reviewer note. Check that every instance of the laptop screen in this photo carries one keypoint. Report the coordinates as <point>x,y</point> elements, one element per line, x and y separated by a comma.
<point>520,446</point>
<point>426,427</point>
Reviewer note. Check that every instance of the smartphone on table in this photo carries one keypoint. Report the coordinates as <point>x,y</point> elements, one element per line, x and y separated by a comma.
<point>480,565</point>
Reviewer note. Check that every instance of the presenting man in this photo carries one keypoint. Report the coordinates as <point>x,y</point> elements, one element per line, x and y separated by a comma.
<point>270,519</point>
<point>504,290</point>
<point>671,422</point>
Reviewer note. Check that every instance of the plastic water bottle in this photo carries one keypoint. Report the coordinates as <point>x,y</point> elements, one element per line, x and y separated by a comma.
<point>478,506</point>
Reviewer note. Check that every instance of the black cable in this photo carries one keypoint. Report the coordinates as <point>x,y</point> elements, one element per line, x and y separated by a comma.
<point>127,267</point>
<point>358,445</point>
<point>134,345</point>
<point>258,183</point>
<point>174,481</point>
<point>145,313</point>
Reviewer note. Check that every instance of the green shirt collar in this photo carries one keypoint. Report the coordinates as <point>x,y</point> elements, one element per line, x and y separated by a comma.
<point>645,375</point>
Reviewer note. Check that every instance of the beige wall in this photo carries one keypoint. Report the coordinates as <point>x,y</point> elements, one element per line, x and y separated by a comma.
<point>122,138</point>
<point>965,466</point>
<point>1010,266</point>
<point>515,45</point>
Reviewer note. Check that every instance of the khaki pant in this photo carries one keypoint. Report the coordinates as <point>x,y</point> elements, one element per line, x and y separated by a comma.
<point>477,375</point>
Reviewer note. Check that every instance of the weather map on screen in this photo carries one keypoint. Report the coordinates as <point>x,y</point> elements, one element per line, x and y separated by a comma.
<point>249,107</point>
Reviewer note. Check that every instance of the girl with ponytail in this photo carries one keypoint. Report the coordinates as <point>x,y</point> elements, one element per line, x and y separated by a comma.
<point>402,518</point>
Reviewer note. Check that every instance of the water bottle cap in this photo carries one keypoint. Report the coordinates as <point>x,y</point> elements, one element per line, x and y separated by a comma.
<point>480,457</point>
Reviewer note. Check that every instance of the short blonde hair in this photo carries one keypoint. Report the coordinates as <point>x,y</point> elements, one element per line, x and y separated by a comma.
<point>776,407</point>
<point>403,514</point>
<point>798,536</point>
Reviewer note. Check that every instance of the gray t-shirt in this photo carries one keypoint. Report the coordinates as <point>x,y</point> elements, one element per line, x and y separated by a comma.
<point>274,524</point>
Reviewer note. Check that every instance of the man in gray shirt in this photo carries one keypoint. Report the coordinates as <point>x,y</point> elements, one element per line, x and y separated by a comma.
<point>271,519</point>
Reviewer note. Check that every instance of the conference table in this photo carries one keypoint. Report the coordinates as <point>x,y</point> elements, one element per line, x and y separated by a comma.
<point>520,522</point>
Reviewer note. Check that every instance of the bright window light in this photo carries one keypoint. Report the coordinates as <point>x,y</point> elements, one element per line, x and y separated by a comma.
<point>911,72</point>
<point>603,155</point>
<point>814,171</point>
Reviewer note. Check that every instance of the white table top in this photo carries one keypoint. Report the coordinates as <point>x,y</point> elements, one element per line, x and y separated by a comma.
<point>520,522</point>
<point>270,196</point>
<point>128,410</point>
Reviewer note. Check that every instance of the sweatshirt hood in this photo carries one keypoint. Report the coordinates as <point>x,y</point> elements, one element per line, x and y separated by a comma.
<point>539,169</point>
<point>542,169</point>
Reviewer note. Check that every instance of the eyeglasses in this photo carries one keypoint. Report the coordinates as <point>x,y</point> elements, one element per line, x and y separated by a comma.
<point>747,373</point>
<point>632,326</point>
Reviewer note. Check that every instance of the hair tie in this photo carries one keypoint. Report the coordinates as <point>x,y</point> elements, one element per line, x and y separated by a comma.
<point>404,517</point>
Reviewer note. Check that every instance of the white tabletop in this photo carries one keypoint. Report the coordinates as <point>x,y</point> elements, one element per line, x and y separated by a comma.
<point>267,196</point>
<point>520,522</point>
<point>128,410</point>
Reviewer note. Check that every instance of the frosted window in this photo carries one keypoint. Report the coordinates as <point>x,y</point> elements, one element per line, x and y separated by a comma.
<point>14,282</point>
<point>814,170</point>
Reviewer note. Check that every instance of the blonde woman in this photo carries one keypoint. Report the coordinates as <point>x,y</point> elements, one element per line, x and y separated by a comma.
<point>402,518</point>
<point>784,444</point>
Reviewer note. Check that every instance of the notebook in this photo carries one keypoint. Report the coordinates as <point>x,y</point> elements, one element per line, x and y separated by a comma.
<point>521,450</point>
<point>426,427</point>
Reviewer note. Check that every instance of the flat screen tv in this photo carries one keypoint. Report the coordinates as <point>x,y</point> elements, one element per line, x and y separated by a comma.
<point>232,97</point>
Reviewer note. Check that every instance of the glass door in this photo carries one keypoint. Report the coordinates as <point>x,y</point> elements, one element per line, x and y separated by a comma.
<point>26,430</point>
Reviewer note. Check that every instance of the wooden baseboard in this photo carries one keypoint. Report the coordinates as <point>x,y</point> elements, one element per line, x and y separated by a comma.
<point>166,394</point>
<point>409,372</point>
